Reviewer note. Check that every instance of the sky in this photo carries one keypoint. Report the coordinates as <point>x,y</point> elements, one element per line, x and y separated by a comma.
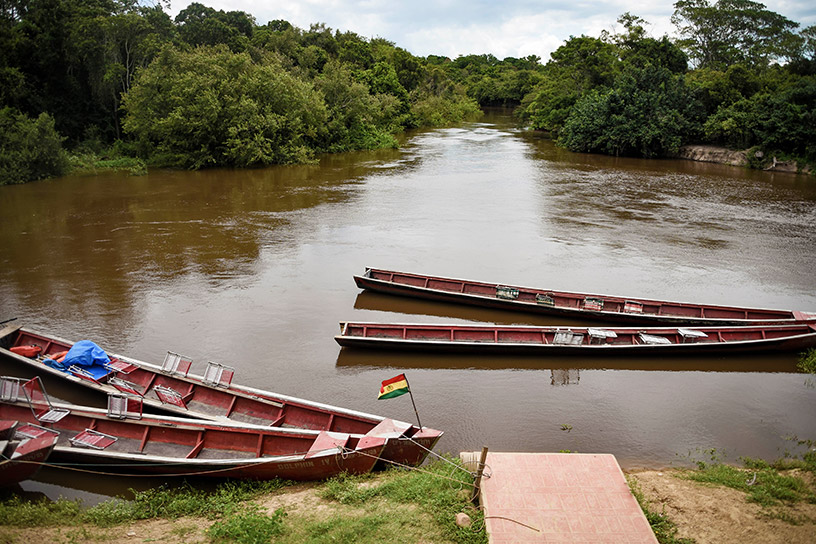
<point>503,28</point>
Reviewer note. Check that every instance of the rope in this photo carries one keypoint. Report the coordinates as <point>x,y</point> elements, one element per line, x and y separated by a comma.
<point>75,467</point>
<point>431,452</point>
<point>417,469</point>
<point>511,520</point>
<point>514,521</point>
<point>68,466</point>
<point>344,451</point>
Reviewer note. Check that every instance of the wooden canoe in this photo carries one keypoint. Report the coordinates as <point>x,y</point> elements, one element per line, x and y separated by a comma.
<point>577,340</point>
<point>91,440</point>
<point>21,457</point>
<point>569,304</point>
<point>181,393</point>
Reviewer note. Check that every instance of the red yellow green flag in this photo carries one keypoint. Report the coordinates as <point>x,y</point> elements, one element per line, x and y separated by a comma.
<point>393,388</point>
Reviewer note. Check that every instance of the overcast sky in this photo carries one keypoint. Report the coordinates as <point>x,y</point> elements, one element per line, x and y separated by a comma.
<point>504,28</point>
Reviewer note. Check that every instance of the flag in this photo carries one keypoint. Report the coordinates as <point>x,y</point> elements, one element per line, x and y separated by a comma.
<point>393,388</point>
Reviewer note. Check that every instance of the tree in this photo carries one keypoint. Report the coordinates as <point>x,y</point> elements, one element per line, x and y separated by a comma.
<point>733,31</point>
<point>647,113</point>
<point>587,62</point>
<point>576,68</point>
<point>356,119</point>
<point>115,47</point>
<point>210,107</point>
<point>202,25</point>
<point>382,79</point>
<point>782,120</point>
<point>30,149</point>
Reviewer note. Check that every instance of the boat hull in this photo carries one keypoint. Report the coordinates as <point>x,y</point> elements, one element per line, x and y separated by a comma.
<point>22,460</point>
<point>567,304</point>
<point>236,403</point>
<point>178,447</point>
<point>541,340</point>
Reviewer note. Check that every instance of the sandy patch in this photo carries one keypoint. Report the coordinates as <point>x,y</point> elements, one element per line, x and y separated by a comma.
<point>715,515</point>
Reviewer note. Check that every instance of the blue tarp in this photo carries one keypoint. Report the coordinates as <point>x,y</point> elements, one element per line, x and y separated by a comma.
<point>85,353</point>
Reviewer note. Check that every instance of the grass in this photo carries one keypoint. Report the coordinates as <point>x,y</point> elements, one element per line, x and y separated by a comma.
<point>395,506</point>
<point>665,530</point>
<point>160,502</point>
<point>438,493</point>
<point>89,161</point>
<point>248,526</point>
<point>762,483</point>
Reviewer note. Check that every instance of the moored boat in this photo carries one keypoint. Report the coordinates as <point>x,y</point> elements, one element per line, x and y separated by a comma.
<point>21,457</point>
<point>577,340</point>
<point>123,440</point>
<point>172,388</point>
<point>569,304</point>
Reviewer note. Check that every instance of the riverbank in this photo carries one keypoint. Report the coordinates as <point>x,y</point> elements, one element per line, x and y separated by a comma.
<point>399,506</point>
<point>710,513</point>
<point>747,158</point>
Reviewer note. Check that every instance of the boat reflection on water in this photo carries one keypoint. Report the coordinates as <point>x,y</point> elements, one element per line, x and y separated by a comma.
<point>565,376</point>
<point>770,363</point>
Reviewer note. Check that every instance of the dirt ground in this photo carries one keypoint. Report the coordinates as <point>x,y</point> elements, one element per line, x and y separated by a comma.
<point>720,515</point>
<point>707,514</point>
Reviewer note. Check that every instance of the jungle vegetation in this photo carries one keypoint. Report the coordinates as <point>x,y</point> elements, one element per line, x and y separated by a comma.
<point>117,79</point>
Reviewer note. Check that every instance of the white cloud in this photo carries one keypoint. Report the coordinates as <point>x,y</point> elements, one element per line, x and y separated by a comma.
<point>515,28</point>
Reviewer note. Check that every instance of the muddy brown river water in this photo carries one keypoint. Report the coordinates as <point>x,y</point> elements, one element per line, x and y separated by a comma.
<point>253,268</point>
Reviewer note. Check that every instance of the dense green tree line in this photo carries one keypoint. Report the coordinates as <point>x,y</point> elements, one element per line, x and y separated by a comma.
<point>739,75</point>
<point>215,88</point>
<point>206,88</point>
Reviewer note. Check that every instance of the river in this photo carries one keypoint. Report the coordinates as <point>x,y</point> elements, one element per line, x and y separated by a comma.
<point>253,268</point>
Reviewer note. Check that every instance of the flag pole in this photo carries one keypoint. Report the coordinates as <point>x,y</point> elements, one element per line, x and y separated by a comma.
<point>412,401</point>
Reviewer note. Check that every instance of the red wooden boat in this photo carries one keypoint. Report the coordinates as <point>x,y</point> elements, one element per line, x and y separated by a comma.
<point>124,440</point>
<point>578,340</point>
<point>568,304</point>
<point>213,396</point>
<point>21,457</point>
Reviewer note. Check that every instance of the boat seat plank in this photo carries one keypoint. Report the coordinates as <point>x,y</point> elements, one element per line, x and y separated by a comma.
<point>53,415</point>
<point>124,406</point>
<point>93,439</point>
<point>545,300</point>
<point>652,339</point>
<point>93,373</point>
<point>592,303</point>
<point>689,333</point>
<point>632,307</point>
<point>123,367</point>
<point>40,403</point>
<point>168,395</point>
<point>31,430</point>
<point>175,363</point>
<point>125,386</point>
<point>9,389</point>
<point>600,335</point>
<point>567,337</point>
<point>218,375</point>
<point>507,293</point>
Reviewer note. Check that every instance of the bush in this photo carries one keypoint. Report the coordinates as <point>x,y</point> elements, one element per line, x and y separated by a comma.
<point>211,107</point>
<point>647,113</point>
<point>30,149</point>
<point>807,361</point>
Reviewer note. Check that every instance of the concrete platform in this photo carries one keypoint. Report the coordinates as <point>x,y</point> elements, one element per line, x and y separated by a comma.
<point>559,497</point>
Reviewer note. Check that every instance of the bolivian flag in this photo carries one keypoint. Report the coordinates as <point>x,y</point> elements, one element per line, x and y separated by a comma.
<point>393,387</point>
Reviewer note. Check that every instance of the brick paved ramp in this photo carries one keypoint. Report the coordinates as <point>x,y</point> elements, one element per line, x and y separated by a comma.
<point>564,497</point>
